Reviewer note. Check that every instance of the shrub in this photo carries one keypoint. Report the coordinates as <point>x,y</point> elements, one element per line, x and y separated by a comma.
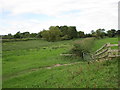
<point>82,47</point>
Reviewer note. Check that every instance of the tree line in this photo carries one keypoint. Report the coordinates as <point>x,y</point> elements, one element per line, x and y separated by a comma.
<point>56,33</point>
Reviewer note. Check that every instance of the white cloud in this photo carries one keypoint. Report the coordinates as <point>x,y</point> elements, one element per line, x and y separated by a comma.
<point>91,14</point>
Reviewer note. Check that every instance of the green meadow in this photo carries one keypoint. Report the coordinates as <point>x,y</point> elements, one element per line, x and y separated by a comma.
<point>25,65</point>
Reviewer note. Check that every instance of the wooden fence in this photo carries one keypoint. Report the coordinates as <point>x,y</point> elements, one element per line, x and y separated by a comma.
<point>107,51</point>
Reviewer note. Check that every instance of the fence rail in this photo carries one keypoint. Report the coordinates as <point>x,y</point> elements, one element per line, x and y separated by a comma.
<point>107,52</point>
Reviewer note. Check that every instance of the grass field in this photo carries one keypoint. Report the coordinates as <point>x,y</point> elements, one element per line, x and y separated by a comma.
<point>24,65</point>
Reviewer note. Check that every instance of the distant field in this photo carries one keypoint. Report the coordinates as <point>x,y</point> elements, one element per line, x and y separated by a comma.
<point>32,44</point>
<point>23,60</point>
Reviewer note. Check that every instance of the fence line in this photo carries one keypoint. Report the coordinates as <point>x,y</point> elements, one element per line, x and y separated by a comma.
<point>106,52</point>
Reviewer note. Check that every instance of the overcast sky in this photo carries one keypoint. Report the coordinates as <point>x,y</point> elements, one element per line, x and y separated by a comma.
<point>36,15</point>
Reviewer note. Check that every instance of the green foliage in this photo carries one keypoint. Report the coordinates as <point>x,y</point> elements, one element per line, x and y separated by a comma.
<point>66,37</point>
<point>111,33</point>
<point>53,34</point>
<point>45,34</point>
<point>88,35</point>
<point>18,35</point>
<point>9,36</point>
<point>56,33</point>
<point>93,33</point>
<point>72,32</point>
<point>81,34</point>
<point>25,35</point>
<point>33,35</point>
<point>82,47</point>
<point>100,33</point>
<point>64,30</point>
<point>39,35</point>
<point>68,32</point>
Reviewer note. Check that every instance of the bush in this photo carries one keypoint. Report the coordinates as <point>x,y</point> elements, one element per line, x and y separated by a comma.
<point>82,47</point>
<point>66,37</point>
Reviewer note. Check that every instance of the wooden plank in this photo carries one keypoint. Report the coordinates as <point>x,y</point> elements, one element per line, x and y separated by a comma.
<point>102,52</point>
<point>111,45</point>
<point>101,47</point>
<point>112,56</point>
<point>114,50</point>
<point>103,56</point>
